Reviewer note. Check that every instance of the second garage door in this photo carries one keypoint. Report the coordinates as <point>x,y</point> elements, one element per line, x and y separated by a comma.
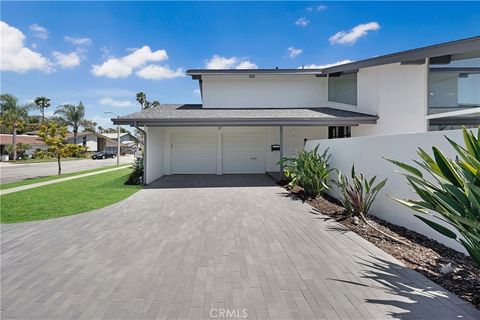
<point>194,153</point>
<point>243,153</point>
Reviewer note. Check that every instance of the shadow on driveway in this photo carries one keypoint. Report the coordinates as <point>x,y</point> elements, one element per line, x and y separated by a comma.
<point>179,181</point>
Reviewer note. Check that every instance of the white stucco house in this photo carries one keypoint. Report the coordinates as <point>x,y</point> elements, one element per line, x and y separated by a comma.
<point>249,119</point>
<point>94,141</point>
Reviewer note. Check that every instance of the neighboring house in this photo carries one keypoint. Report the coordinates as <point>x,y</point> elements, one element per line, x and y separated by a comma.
<point>249,119</point>
<point>128,141</point>
<point>35,142</point>
<point>124,137</point>
<point>93,141</point>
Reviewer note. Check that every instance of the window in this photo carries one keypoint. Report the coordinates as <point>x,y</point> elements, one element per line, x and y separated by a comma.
<point>339,132</point>
<point>342,87</point>
<point>84,142</point>
<point>454,82</point>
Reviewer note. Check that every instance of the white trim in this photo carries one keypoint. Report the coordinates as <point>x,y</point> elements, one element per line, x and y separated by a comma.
<point>454,113</point>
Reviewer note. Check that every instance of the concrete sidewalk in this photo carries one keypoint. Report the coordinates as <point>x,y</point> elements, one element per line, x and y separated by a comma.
<point>46,183</point>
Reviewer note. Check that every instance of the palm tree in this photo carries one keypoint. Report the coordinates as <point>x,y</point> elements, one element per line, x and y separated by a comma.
<point>13,115</point>
<point>73,115</point>
<point>142,98</point>
<point>42,103</point>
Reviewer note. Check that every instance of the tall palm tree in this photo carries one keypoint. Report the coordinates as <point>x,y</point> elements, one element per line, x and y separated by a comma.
<point>13,115</point>
<point>42,103</point>
<point>142,98</point>
<point>73,115</point>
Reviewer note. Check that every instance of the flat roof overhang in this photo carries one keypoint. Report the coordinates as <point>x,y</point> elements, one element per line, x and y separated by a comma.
<point>185,122</point>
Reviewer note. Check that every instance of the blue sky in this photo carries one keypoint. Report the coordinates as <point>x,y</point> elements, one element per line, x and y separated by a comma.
<point>102,53</point>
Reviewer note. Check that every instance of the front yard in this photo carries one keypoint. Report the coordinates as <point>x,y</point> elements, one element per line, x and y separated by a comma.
<point>66,198</point>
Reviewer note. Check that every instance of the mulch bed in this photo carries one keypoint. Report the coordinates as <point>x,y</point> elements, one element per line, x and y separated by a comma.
<point>422,254</point>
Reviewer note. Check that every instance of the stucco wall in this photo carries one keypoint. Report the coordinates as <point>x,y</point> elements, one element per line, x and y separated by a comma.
<point>154,158</point>
<point>397,94</point>
<point>367,154</point>
<point>263,91</point>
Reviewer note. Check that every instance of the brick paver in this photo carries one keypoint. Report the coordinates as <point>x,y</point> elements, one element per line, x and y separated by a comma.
<point>189,247</point>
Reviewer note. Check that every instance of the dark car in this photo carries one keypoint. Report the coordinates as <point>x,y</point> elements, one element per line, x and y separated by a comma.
<point>103,155</point>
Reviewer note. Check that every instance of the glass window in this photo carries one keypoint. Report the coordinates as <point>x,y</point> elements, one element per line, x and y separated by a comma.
<point>454,82</point>
<point>343,88</point>
<point>339,132</point>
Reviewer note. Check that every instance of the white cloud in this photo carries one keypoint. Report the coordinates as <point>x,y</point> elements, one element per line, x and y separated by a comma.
<point>14,56</point>
<point>116,103</point>
<point>219,62</point>
<point>67,60</point>
<point>351,36</point>
<point>246,64</point>
<point>78,41</point>
<point>124,66</point>
<point>293,52</point>
<point>39,31</point>
<point>322,66</point>
<point>318,8</point>
<point>321,7</point>
<point>156,72</point>
<point>302,22</point>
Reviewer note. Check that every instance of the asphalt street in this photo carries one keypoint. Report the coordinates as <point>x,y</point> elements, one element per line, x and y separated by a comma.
<point>16,172</point>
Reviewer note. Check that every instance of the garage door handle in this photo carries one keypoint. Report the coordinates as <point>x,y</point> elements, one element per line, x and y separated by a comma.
<point>253,158</point>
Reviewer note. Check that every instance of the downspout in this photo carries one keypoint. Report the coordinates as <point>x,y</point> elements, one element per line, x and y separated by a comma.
<point>144,152</point>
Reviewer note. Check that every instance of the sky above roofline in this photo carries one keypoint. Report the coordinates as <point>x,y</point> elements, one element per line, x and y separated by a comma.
<point>102,53</point>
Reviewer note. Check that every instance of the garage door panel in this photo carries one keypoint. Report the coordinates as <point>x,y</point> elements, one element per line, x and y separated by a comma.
<point>194,153</point>
<point>244,153</point>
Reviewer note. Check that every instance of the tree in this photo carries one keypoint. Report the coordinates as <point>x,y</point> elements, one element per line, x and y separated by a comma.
<point>142,98</point>
<point>89,125</point>
<point>55,137</point>
<point>73,115</point>
<point>42,103</point>
<point>21,148</point>
<point>101,129</point>
<point>12,115</point>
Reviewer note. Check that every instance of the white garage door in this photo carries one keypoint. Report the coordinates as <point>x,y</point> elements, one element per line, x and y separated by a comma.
<point>244,153</point>
<point>194,153</point>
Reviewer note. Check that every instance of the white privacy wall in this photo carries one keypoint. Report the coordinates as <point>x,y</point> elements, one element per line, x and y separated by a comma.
<point>263,91</point>
<point>154,153</point>
<point>367,154</point>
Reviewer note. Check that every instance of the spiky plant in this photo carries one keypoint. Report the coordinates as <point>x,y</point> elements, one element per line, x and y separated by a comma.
<point>454,194</point>
<point>308,170</point>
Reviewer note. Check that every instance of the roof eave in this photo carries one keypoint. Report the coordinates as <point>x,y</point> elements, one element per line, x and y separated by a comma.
<point>248,122</point>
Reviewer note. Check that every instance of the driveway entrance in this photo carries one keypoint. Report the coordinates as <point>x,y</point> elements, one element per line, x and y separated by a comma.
<point>193,247</point>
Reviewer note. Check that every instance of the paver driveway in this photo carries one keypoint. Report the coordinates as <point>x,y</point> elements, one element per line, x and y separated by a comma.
<point>191,245</point>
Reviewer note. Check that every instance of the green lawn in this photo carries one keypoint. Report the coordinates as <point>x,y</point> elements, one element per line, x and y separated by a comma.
<point>66,198</point>
<point>48,178</point>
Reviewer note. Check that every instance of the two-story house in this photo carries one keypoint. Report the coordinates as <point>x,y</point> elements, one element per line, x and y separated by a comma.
<point>249,119</point>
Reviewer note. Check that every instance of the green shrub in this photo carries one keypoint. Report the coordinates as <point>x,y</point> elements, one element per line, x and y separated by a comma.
<point>136,177</point>
<point>455,193</point>
<point>358,194</point>
<point>308,170</point>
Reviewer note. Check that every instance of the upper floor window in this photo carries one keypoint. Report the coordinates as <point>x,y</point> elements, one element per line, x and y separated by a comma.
<point>342,87</point>
<point>454,82</point>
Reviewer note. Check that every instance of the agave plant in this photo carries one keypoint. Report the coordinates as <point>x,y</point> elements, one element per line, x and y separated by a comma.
<point>358,195</point>
<point>308,170</point>
<point>455,193</point>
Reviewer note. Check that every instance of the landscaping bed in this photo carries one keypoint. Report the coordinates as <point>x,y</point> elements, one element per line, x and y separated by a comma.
<point>421,254</point>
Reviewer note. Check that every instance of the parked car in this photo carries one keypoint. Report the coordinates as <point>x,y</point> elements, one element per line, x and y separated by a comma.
<point>103,155</point>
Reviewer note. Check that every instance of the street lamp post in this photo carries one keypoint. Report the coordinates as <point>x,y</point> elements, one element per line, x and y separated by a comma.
<point>118,138</point>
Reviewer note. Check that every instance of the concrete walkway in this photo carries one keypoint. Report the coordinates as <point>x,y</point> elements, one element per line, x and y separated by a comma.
<point>196,247</point>
<point>46,183</point>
